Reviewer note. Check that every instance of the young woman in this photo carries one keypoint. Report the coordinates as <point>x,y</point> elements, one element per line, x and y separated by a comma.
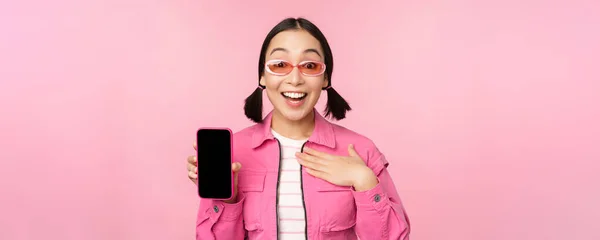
<point>298,176</point>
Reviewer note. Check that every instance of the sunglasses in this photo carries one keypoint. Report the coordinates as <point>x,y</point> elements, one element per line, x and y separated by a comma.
<point>307,68</point>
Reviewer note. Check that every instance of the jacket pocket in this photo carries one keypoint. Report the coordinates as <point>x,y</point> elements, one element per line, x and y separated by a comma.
<point>337,210</point>
<point>252,183</point>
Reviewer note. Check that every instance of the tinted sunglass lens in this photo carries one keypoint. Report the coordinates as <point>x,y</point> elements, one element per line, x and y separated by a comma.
<point>280,67</point>
<point>311,68</point>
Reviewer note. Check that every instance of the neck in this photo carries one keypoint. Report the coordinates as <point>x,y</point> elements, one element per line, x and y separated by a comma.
<point>300,129</point>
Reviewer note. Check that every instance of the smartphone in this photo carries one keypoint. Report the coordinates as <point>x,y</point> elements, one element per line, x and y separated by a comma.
<point>215,156</point>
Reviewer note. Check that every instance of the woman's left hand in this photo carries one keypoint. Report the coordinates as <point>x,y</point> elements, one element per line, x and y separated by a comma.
<point>339,170</point>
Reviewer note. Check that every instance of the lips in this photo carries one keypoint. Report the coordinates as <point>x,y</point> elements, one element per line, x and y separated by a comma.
<point>295,96</point>
<point>294,99</point>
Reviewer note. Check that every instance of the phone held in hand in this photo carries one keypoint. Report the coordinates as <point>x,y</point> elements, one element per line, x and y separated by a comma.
<point>215,157</point>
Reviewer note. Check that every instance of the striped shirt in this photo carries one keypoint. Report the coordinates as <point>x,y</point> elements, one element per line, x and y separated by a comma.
<point>290,209</point>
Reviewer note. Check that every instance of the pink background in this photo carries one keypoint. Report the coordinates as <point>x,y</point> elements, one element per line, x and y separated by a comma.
<point>488,110</point>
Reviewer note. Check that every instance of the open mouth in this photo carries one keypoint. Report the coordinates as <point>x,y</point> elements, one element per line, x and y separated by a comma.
<point>294,96</point>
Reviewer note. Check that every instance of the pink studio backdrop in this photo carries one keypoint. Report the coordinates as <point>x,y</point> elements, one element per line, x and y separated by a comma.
<point>488,110</point>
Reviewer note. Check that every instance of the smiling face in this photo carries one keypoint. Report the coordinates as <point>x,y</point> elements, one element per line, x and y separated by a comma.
<point>294,91</point>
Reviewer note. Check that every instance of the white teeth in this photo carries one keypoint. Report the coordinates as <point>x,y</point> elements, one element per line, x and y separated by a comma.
<point>294,95</point>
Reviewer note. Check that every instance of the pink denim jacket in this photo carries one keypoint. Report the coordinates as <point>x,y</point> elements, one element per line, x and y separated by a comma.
<point>332,212</point>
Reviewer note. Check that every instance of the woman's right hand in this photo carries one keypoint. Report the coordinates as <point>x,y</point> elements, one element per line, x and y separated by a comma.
<point>192,167</point>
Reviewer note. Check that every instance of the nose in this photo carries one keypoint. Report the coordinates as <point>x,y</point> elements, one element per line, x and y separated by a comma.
<point>295,77</point>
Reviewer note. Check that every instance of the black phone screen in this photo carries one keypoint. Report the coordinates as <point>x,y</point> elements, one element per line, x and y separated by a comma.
<point>214,163</point>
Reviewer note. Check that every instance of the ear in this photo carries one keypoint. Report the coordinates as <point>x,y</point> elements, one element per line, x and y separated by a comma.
<point>325,83</point>
<point>262,81</point>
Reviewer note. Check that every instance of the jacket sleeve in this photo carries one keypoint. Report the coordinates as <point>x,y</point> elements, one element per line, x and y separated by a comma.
<point>380,213</point>
<point>219,220</point>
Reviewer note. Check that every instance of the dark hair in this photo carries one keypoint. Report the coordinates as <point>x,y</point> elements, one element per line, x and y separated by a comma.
<point>336,105</point>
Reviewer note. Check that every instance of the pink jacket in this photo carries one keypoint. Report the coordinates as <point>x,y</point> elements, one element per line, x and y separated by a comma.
<point>332,212</point>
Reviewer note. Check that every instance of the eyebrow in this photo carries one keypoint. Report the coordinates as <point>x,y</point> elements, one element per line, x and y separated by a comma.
<point>305,51</point>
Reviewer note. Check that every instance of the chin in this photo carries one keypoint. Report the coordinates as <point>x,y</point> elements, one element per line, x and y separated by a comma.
<point>296,114</point>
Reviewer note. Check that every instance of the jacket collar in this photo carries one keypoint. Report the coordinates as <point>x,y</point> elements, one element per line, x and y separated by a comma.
<point>322,134</point>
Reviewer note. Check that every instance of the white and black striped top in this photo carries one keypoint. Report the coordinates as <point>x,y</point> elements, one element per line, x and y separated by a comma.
<point>290,210</point>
